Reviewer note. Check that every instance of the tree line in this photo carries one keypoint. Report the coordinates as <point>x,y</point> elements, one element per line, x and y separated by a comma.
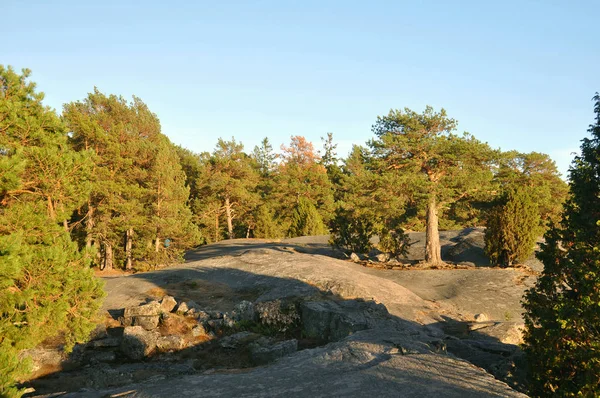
<point>101,185</point>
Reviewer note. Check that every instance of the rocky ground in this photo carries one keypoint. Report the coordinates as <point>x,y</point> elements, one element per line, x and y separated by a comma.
<point>296,318</point>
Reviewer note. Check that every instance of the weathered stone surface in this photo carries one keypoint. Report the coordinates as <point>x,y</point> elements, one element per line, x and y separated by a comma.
<point>42,357</point>
<point>383,257</point>
<point>481,318</point>
<point>332,321</point>
<point>244,311</point>
<point>202,316</point>
<point>107,342</point>
<point>215,325</point>
<point>228,321</point>
<point>200,330</point>
<point>99,332</point>
<point>170,343</point>
<point>168,304</point>
<point>137,342</point>
<point>238,339</point>
<point>368,363</point>
<point>146,316</point>
<point>354,257</point>
<point>261,355</point>
<point>504,332</point>
<point>182,308</point>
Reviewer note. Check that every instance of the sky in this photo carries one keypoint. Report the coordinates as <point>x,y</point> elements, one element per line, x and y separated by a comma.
<point>515,74</point>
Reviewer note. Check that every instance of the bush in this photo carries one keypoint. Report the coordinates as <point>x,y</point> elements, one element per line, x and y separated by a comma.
<point>351,233</point>
<point>306,220</point>
<point>266,225</point>
<point>512,228</point>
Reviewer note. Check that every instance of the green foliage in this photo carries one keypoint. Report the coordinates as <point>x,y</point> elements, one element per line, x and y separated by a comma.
<point>562,318</point>
<point>512,228</point>
<point>538,173</point>
<point>436,166</point>
<point>306,220</point>
<point>46,286</point>
<point>351,232</point>
<point>266,226</point>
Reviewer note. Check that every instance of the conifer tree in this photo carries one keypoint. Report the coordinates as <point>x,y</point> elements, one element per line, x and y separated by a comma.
<point>302,176</point>
<point>306,220</point>
<point>562,318</point>
<point>512,227</point>
<point>436,164</point>
<point>46,286</point>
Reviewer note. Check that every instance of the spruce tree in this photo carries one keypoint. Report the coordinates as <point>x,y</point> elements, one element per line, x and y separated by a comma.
<point>46,286</point>
<point>562,318</point>
<point>512,228</point>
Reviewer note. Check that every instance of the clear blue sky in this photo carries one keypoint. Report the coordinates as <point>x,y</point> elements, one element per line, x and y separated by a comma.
<point>516,74</point>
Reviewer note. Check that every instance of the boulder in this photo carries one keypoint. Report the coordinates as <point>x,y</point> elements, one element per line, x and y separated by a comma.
<point>174,324</point>
<point>167,304</point>
<point>215,325</point>
<point>238,339</point>
<point>202,316</point>
<point>138,343</point>
<point>354,257</point>
<point>42,357</point>
<point>481,318</point>
<point>503,332</point>
<point>182,308</point>
<point>200,330</point>
<point>146,315</point>
<point>170,343</point>
<point>99,332</point>
<point>383,257</point>
<point>105,343</point>
<point>332,321</point>
<point>244,311</point>
<point>228,321</point>
<point>261,355</point>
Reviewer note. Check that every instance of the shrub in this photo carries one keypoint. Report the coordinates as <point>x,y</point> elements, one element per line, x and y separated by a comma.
<point>306,220</point>
<point>512,228</point>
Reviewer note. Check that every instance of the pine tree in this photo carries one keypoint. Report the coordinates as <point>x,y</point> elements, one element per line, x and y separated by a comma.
<point>562,319</point>
<point>46,286</point>
<point>266,225</point>
<point>512,228</point>
<point>435,163</point>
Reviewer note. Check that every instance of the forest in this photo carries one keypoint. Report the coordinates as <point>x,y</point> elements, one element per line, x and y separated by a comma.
<point>100,186</point>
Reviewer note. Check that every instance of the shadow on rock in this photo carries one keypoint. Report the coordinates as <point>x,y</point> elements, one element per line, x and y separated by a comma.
<point>289,339</point>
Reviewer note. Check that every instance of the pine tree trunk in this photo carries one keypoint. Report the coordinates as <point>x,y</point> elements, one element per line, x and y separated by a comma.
<point>66,226</point>
<point>89,225</point>
<point>216,226</point>
<point>108,256</point>
<point>229,219</point>
<point>433,249</point>
<point>157,244</point>
<point>128,247</point>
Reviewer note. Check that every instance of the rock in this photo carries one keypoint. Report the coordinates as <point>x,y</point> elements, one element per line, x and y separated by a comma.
<point>202,316</point>
<point>174,324</point>
<point>199,330</point>
<point>99,332</point>
<point>42,357</point>
<point>383,257</point>
<point>504,332</point>
<point>354,257</point>
<point>182,308</point>
<point>244,311</point>
<point>146,315</point>
<point>107,342</point>
<point>138,343</point>
<point>96,356</point>
<point>167,304</point>
<point>170,343</point>
<point>261,355</point>
<point>215,314</point>
<point>215,325</point>
<point>228,321</point>
<point>238,339</point>
<point>481,318</point>
<point>332,321</point>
